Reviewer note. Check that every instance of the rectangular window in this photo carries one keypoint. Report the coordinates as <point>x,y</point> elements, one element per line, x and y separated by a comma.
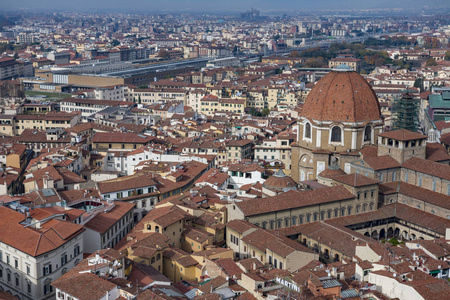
<point>28,269</point>
<point>63,259</point>
<point>47,288</point>
<point>47,269</point>
<point>16,263</point>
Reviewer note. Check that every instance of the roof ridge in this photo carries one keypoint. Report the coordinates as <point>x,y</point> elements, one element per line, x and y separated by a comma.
<point>353,95</point>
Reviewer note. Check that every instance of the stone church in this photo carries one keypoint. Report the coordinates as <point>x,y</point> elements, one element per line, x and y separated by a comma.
<point>340,115</point>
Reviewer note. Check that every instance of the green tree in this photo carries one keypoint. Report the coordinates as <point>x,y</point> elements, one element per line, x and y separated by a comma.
<point>447,55</point>
<point>418,83</point>
<point>254,112</point>
<point>431,62</point>
<point>265,112</point>
<point>115,43</point>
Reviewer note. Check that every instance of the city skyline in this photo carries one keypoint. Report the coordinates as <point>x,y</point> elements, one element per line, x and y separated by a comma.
<point>149,6</point>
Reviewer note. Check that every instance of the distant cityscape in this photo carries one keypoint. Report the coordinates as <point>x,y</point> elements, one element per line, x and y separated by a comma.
<point>225,153</point>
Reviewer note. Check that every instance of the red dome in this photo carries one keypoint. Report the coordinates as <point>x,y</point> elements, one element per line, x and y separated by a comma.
<point>342,96</point>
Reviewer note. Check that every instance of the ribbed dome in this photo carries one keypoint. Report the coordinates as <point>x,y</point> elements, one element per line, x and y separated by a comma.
<point>342,96</point>
<point>279,182</point>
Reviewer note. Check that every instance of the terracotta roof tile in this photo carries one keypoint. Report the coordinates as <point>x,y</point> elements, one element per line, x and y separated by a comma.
<point>293,199</point>
<point>342,96</point>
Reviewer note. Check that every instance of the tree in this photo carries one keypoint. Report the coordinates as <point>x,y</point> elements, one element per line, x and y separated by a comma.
<point>265,112</point>
<point>418,83</point>
<point>254,112</point>
<point>115,43</point>
<point>294,54</point>
<point>163,53</point>
<point>315,63</point>
<point>447,55</point>
<point>142,86</point>
<point>431,62</point>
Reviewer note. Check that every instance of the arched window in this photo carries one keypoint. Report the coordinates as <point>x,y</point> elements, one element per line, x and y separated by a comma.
<point>336,134</point>
<point>368,134</point>
<point>308,130</point>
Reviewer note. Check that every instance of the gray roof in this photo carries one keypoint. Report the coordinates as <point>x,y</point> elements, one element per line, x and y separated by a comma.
<point>349,294</point>
<point>329,282</point>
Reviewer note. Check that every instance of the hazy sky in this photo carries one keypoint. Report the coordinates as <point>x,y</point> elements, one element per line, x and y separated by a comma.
<point>211,5</point>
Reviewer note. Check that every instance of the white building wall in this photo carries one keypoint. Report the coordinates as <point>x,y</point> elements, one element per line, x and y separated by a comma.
<point>35,276</point>
<point>394,289</point>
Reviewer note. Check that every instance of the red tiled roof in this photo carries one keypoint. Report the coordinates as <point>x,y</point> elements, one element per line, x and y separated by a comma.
<point>293,199</point>
<point>35,242</point>
<point>403,135</point>
<point>344,97</point>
